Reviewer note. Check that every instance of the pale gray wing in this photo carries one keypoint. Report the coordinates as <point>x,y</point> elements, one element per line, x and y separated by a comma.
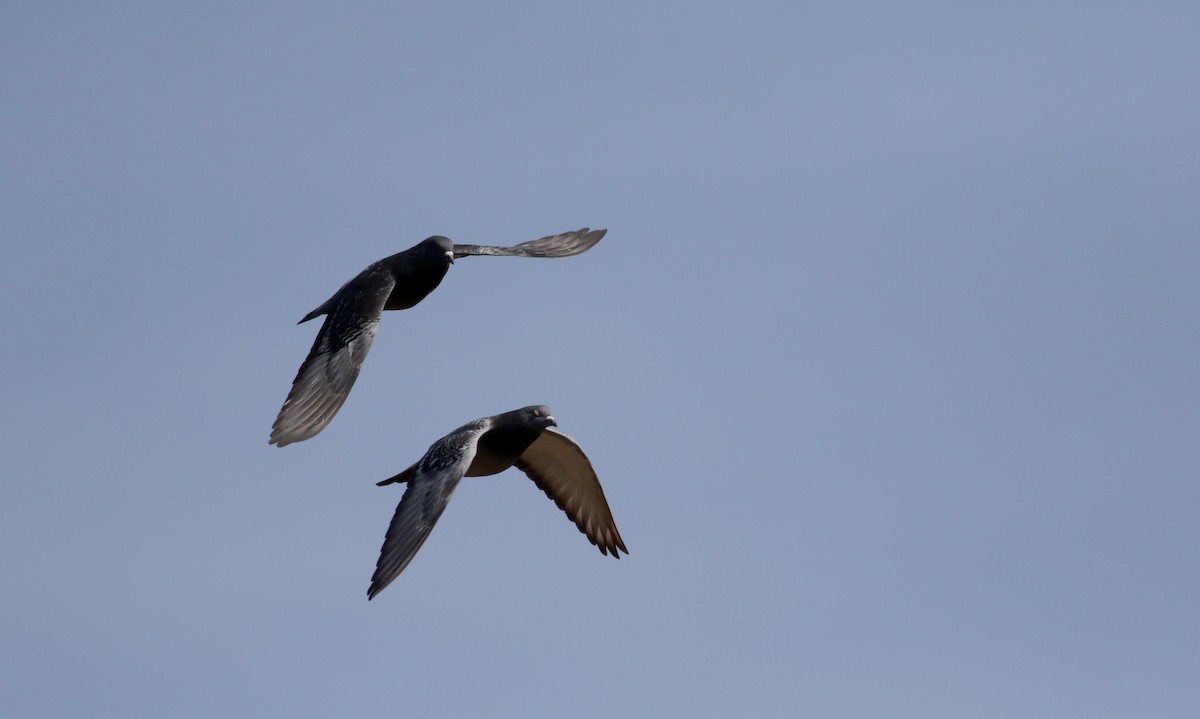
<point>560,469</point>
<point>431,482</point>
<point>564,245</point>
<point>327,374</point>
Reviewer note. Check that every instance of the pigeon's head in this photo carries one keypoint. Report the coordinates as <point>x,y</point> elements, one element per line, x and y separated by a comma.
<point>440,247</point>
<point>537,415</point>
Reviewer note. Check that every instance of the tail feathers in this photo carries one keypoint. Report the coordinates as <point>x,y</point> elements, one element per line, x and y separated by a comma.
<point>326,308</point>
<point>399,478</point>
<point>315,313</point>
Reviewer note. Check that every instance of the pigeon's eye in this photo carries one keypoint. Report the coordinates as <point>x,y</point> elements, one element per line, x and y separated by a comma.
<point>537,413</point>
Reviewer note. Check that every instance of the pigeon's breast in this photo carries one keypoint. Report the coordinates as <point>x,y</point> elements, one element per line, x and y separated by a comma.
<point>412,287</point>
<point>499,449</point>
<point>483,466</point>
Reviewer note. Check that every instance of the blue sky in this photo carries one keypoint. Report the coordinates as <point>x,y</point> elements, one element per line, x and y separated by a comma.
<point>888,363</point>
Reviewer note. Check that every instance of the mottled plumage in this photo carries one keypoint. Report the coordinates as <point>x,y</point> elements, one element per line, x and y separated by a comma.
<point>352,315</point>
<point>524,438</point>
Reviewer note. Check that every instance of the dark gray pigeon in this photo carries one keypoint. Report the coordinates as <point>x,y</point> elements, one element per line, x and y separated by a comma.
<point>523,438</point>
<point>352,316</point>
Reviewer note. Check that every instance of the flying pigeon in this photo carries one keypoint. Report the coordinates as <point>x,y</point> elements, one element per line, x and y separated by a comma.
<point>352,316</point>
<point>524,438</point>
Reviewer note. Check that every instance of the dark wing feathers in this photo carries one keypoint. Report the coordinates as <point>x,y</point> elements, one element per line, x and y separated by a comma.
<point>563,245</point>
<point>559,468</point>
<point>327,374</point>
<point>431,482</point>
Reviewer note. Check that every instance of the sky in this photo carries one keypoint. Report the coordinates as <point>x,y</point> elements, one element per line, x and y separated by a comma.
<point>887,364</point>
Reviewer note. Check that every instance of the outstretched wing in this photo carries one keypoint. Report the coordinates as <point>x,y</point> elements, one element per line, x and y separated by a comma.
<point>564,245</point>
<point>324,380</point>
<point>430,483</point>
<point>560,469</point>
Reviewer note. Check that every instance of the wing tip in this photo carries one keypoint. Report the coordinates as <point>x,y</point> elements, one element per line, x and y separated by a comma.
<point>283,436</point>
<point>279,437</point>
<point>613,548</point>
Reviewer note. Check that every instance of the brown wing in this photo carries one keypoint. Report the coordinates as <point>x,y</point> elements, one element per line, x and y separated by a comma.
<point>560,469</point>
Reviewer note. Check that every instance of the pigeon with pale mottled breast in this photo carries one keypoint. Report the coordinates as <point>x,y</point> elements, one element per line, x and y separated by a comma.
<point>526,439</point>
<point>352,315</point>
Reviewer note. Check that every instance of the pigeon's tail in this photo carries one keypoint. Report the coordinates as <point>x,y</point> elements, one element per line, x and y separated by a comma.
<point>312,315</point>
<point>326,308</point>
<point>399,478</point>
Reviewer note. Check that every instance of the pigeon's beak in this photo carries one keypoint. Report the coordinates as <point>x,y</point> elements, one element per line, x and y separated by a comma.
<point>550,421</point>
<point>450,256</point>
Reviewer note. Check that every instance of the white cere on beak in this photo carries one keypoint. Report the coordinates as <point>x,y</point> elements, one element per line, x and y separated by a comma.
<point>450,256</point>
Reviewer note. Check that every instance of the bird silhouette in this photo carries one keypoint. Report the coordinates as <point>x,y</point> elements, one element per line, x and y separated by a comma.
<point>525,438</point>
<point>352,316</point>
